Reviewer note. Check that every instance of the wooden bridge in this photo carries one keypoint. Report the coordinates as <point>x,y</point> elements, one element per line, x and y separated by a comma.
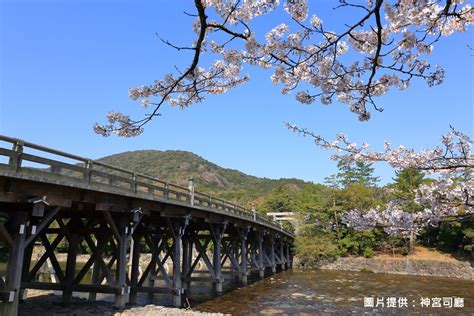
<point>116,218</point>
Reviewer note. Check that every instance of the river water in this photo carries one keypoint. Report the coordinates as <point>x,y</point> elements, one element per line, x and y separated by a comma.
<point>327,292</point>
<point>300,292</point>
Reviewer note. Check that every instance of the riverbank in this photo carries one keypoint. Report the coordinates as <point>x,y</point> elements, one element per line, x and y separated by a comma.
<point>423,262</point>
<point>43,303</point>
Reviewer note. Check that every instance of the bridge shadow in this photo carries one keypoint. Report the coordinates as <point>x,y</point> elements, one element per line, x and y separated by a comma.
<point>48,303</point>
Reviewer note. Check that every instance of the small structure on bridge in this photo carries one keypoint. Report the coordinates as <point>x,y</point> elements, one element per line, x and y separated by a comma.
<point>118,218</point>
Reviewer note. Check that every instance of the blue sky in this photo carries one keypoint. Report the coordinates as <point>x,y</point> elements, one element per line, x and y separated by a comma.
<point>64,64</point>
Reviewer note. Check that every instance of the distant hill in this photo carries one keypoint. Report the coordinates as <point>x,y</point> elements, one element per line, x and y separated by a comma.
<point>177,166</point>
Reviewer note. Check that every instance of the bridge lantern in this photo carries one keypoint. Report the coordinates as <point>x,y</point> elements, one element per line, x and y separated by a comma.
<point>39,204</point>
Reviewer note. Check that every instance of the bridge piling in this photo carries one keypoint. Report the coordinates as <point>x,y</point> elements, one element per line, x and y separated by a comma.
<point>177,230</point>
<point>217,233</point>
<point>260,255</point>
<point>243,232</point>
<point>121,271</point>
<point>288,258</point>
<point>73,248</point>
<point>100,240</point>
<point>135,269</point>
<point>187,262</point>
<point>17,237</point>
<point>272,253</point>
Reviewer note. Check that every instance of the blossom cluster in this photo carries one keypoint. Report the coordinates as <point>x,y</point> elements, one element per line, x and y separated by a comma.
<point>450,195</point>
<point>392,219</point>
<point>390,41</point>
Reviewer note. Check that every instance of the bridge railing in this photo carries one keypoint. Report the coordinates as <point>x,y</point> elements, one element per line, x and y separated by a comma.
<point>40,160</point>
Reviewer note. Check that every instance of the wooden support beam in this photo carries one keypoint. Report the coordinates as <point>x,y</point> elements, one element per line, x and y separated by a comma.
<point>243,232</point>
<point>260,257</point>
<point>202,253</point>
<point>282,255</point>
<point>26,267</point>
<point>121,270</point>
<point>74,227</point>
<point>288,257</point>
<point>49,254</point>
<point>94,280</point>
<point>217,231</point>
<point>112,225</point>
<point>42,286</point>
<point>6,235</point>
<point>187,261</point>
<point>272,253</point>
<point>177,228</point>
<point>134,273</point>
<point>156,251</point>
<point>97,251</point>
<point>44,224</point>
<point>232,250</point>
<point>100,261</point>
<point>96,267</point>
<point>198,258</point>
<point>177,271</point>
<point>15,260</point>
<point>148,274</point>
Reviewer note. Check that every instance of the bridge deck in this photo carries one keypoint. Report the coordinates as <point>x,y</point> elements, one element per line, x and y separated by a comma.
<point>115,217</point>
<point>93,175</point>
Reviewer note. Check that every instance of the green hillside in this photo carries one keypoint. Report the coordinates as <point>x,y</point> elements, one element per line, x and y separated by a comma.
<point>177,166</point>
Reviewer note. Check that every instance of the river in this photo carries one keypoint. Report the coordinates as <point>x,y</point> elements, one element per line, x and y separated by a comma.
<point>300,292</point>
<point>328,292</point>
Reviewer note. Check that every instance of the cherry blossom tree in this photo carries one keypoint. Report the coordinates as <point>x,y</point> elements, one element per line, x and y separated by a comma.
<point>385,46</point>
<point>450,196</point>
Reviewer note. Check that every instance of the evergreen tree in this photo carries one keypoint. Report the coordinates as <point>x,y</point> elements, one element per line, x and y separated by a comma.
<point>406,183</point>
<point>408,180</point>
<point>358,172</point>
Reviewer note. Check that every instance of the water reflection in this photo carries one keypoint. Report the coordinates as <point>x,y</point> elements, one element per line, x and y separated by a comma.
<point>324,292</point>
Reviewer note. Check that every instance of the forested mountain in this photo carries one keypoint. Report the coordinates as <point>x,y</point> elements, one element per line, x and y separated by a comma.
<point>177,166</point>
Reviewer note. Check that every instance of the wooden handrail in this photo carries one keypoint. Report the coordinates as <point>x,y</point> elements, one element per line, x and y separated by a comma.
<point>90,168</point>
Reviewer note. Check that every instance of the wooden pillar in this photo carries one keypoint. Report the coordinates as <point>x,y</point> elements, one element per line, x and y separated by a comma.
<point>177,228</point>
<point>234,251</point>
<point>243,255</point>
<point>26,267</point>
<point>135,269</point>
<point>272,253</point>
<point>282,254</point>
<point>94,280</point>
<point>152,274</point>
<point>70,263</point>
<point>253,253</point>
<point>121,267</point>
<point>288,258</point>
<point>187,260</point>
<point>177,270</point>
<point>216,258</point>
<point>15,261</point>
<point>95,267</point>
<point>218,234</point>
<point>261,267</point>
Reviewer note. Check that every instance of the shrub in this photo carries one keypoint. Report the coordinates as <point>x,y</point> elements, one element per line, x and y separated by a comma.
<point>368,252</point>
<point>314,250</point>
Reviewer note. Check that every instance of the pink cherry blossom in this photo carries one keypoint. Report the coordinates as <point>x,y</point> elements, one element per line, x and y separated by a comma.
<point>390,43</point>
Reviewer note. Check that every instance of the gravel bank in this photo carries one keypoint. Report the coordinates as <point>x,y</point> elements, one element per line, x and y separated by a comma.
<point>41,304</point>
